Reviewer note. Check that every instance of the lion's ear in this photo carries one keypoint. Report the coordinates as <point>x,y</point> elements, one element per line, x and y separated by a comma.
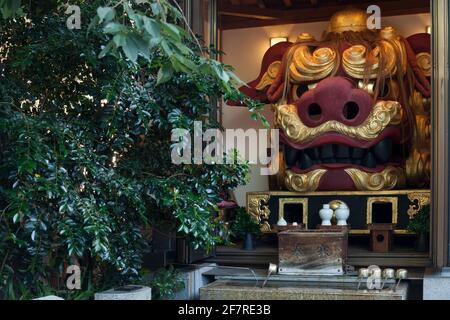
<point>419,57</point>
<point>270,70</point>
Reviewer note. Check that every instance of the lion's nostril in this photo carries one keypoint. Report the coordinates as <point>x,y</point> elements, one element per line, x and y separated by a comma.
<point>315,112</point>
<point>351,110</point>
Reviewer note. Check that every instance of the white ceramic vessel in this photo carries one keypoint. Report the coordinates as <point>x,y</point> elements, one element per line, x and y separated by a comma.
<point>342,214</point>
<point>282,222</point>
<point>326,214</point>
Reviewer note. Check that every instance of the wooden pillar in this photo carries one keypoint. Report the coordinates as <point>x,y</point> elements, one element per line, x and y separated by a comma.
<point>193,11</point>
<point>440,125</point>
<point>214,41</point>
<point>187,11</point>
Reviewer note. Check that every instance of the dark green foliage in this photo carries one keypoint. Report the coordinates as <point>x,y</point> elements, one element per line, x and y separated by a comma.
<point>85,146</point>
<point>166,283</point>
<point>9,8</point>
<point>420,223</point>
<point>243,224</point>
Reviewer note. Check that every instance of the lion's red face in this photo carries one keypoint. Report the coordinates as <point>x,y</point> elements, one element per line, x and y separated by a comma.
<point>347,110</point>
<point>351,134</point>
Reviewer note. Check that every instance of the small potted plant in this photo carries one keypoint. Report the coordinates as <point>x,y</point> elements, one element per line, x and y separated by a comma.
<point>245,227</point>
<point>420,224</point>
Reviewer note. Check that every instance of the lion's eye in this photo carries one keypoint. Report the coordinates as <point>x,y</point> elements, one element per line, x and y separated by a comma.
<point>384,90</point>
<point>312,86</point>
<point>368,87</point>
<point>300,89</point>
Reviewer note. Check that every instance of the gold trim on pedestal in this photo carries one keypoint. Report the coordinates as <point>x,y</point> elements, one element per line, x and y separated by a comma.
<point>367,232</point>
<point>257,203</point>
<point>258,208</point>
<point>392,200</point>
<point>302,201</point>
<point>422,199</point>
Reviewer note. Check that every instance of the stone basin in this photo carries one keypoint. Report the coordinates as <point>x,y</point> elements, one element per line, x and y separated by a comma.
<point>279,290</point>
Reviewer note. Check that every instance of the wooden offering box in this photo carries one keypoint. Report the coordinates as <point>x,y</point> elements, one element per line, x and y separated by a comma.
<point>289,227</point>
<point>312,252</point>
<point>381,237</point>
<point>334,228</point>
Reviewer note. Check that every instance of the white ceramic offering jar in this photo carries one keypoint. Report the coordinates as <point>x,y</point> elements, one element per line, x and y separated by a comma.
<point>342,214</point>
<point>326,214</point>
<point>282,222</point>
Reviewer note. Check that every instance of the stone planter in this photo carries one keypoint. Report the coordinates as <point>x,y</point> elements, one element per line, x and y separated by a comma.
<point>130,292</point>
<point>49,298</point>
<point>295,290</point>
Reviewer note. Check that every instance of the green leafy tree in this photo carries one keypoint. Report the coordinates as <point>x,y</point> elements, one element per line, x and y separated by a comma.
<point>166,283</point>
<point>86,118</point>
<point>10,8</point>
<point>420,223</point>
<point>244,224</point>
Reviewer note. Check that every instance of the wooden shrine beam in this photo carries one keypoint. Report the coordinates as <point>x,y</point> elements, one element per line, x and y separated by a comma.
<point>252,16</point>
<point>288,3</point>
<point>261,4</point>
<point>248,11</point>
<point>231,16</point>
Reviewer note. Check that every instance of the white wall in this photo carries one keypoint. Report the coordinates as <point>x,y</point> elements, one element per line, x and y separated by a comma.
<point>244,50</point>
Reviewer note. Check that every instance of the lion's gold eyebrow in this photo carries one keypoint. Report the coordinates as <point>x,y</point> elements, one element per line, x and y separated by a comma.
<point>381,61</point>
<point>310,65</point>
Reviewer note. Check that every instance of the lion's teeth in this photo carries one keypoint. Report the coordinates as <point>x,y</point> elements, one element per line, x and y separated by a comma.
<point>342,151</point>
<point>369,160</point>
<point>305,161</point>
<point>358,153</point>
<point>383,150</point>
<point>381,153</point>
<point>291,155</point>
<point>327,151</point>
